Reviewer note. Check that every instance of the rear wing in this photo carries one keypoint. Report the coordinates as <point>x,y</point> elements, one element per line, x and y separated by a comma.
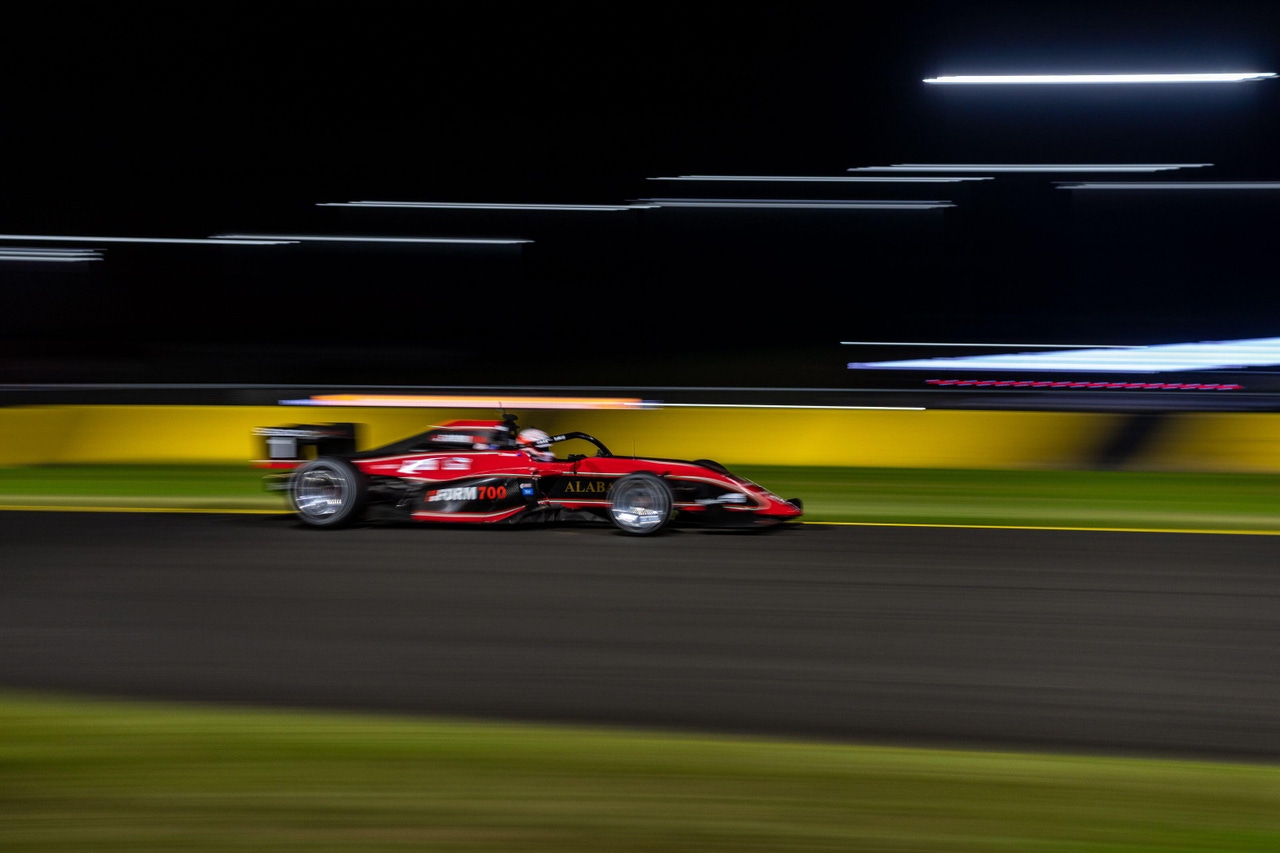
<point>287,446</point>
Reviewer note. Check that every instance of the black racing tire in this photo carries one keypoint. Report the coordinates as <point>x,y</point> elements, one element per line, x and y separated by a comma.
<point>641,504</point>
<point>328,492</point>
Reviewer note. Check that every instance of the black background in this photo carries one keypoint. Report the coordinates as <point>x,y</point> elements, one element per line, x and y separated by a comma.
<point>239,120</point>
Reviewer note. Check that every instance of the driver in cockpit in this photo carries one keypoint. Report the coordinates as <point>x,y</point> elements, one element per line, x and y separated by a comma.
<point>536,443</point>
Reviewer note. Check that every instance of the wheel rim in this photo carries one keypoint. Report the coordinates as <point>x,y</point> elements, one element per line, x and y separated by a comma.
<point>640,505</point>
<point>320,493</point>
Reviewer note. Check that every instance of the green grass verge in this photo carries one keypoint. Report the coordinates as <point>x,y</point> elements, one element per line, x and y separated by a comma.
<point>1125,499</point>
<point>185,486</point>
<point>1066,498</point>
<point>116,776</point>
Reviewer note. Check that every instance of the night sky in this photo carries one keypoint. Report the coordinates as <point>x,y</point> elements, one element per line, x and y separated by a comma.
<point>240,121</point>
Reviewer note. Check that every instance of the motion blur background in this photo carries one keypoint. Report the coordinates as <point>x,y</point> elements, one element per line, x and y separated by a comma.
<point>206,205</point>
<point>186,126</point>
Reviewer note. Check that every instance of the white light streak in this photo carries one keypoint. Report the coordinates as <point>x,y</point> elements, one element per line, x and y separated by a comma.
<point>449,205</point>
<point>884,179</point>
<point>1040,79</point>
<point>801,204</point>
<point>51,256</point>
<point>1031,167</point>
<point>67,238</point>
<point>1160,358</point>
<point>985,346</point>
<point>316,238</point>
<point>1172,185</point>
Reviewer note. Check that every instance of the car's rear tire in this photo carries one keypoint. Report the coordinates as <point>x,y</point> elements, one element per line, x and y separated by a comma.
<point>640,504</point>
<point>328,492</point>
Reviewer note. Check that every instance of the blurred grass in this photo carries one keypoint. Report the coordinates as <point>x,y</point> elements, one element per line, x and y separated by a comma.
<point>116,776</point>
<point>1065,498</point>
<point>1068,498</point>
<point>185,486</point>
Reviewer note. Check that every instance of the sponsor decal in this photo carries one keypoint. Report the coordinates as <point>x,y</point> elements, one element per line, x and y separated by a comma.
<point>286,432</point>
<point>526,489</point>
<point>458,493</point>
<point>467,493</point>
<point>453,438</point>
<point>436,463</point>
<point>726,498</point>
<point>585,487</point>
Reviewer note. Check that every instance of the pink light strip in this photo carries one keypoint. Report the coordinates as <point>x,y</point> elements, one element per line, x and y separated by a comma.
<point>1124,386</point>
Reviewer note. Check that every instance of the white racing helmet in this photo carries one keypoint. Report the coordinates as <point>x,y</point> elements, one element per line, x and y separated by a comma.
<point>537,442</point>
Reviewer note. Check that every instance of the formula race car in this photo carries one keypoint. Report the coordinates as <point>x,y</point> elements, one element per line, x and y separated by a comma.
<point>490,472</point>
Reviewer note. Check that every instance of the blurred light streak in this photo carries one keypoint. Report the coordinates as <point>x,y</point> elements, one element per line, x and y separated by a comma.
<point>1216,77</point>
<point>1172,185</point>
<point>786,406</point>
<point>801,204</point>
<point>1023,346</point>
<point>1031,167</point>
<point>50,255</point>
<point>470,402</point>
<point>300,238</point>
<point>1064,383</point>
<point>600,403</point>
<point>1160,358</point>
<point>822,179</point>
<point>67,238</point>
<point>445,205</point>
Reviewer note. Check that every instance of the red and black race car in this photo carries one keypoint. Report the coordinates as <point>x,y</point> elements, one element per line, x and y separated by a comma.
<point>489,472</point>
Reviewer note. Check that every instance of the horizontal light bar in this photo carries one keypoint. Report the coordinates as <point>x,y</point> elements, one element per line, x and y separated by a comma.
<point>1204,355</point>
<point>801,204</point>
<point>600,403</point>
<point>66,238</point>
<point>787,406</point>
<point>50,253</point>
<point>984,346</point>
<point>821,179</point>
<point>1038,79</point>
<point>1172,185</point>
<point>46,258</point>
<point>448,205</point>
<point>301,238</point>
<point>1031,167</point>
<point>47,250</point>
<point>468,402</point>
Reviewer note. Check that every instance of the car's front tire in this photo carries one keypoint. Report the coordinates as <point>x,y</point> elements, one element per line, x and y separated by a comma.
<point>640,504</point>
<point>328,492</point>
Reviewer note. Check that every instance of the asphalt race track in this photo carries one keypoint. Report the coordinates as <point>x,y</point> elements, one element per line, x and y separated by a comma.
<point>1066,641</point>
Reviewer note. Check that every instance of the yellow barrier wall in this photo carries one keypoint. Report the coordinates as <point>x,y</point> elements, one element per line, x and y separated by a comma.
<point>1215,442</point>
<point>40,435</point>
<point>43,435</point>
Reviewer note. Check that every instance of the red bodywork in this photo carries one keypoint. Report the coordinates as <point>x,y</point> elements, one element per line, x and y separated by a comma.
<point>476,472</point>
